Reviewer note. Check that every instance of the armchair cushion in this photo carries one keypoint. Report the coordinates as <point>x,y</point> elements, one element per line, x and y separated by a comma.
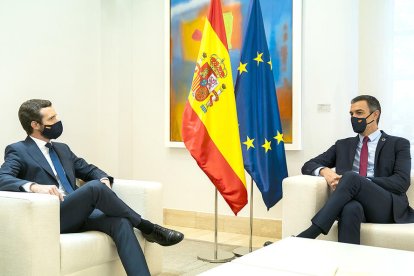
<point>82,250</point>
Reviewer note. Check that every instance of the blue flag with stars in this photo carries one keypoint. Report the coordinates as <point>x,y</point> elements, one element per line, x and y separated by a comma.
<point>258,112</point>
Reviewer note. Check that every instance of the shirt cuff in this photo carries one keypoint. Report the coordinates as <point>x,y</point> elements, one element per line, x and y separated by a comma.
<point>317,171</point>
<point>26,186</point>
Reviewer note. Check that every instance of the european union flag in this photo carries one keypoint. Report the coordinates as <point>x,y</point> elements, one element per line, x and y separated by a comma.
<point>258,113</point>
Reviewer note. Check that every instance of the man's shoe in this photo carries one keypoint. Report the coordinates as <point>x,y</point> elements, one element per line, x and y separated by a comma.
<point>267,243</point>
<point>164,236</point>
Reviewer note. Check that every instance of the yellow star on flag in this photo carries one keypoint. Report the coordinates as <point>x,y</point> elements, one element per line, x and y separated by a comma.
<point>270,63</point>
<point>279,137</point>
<point>266,145</point>
<point>258,58</point>
<point>249,143</point>
<point>242,68</point>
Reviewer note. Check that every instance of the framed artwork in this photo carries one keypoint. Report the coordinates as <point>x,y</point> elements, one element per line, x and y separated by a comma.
<point>282,21</point>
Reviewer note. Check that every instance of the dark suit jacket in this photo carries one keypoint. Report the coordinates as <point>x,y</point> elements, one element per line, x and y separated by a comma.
<point>24,162</point>
<point>391,168</point>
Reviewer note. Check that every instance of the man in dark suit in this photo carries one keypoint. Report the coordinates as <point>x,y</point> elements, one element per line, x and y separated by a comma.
<point>38,165</point>
<point>370,180</point>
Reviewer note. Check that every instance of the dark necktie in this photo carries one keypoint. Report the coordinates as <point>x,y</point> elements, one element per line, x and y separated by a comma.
<point>363,159</point>
<point>59,169</point>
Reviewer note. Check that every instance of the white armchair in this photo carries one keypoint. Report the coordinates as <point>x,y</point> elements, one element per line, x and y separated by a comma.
<point>30,243</point>
<point>304,196</point>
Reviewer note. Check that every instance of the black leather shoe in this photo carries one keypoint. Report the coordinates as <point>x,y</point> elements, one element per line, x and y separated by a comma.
<point>267,243</point>
<point>164,236</point>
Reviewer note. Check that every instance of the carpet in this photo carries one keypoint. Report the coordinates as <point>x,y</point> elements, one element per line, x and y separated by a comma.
<point>181,259</point>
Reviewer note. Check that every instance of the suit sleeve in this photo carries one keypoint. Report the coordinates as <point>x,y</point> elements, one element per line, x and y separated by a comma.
<point>10,170</point>
<point>399,181</point>
<point>326,159</point>
<point>86,171</point>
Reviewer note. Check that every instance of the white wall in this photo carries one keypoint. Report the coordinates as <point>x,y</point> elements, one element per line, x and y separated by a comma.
<point>77,54</point>
<point>376,48</point>
<point>102,64</point>
<point>50,49</point>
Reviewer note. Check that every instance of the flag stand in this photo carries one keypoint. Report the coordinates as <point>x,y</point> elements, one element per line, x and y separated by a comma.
<point>218,256</point>
<point>241,251</point>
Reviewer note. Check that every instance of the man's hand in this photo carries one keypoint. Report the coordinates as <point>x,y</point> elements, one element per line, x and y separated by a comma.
<point>331,177</point>
<point>106,182</point>
<point>46,189</point>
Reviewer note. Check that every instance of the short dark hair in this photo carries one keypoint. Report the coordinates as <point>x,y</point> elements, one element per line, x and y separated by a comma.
<point>373,103</point>
<point>30,111</point>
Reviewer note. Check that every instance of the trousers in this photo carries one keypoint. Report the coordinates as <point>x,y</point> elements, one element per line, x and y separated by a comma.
<point>355,200</point>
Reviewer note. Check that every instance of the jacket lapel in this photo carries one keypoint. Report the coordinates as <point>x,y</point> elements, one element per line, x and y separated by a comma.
<point>380,145</point>
<point>38,156</point>
<point>352,151</point>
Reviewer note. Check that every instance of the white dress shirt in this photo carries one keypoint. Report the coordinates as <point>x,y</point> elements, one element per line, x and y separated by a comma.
<point>45,150</point>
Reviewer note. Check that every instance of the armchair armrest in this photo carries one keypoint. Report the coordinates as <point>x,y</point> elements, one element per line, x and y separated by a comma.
<point>29,234</point>
<point>144,197</point>
<point>303,197</point>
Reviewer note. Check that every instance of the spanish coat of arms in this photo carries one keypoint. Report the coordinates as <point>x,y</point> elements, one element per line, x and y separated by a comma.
<point>206,82</point>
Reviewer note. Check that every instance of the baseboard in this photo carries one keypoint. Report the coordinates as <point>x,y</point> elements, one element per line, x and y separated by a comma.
<point>231,224</point>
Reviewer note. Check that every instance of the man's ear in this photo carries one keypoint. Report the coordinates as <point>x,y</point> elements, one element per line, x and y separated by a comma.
<point>377,113</point>
<point>35,125</point>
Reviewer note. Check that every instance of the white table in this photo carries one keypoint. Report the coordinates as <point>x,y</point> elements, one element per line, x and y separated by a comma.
<point>297,256</point>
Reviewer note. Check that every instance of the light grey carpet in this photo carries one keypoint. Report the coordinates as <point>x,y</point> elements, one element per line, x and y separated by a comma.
<point>181,259</point>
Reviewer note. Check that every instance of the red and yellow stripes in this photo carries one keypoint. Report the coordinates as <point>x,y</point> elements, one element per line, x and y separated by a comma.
<point>210,127</point>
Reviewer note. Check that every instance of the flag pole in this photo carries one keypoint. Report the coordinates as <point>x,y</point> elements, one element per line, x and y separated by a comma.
<point>217,256</point>
<point>241,251</point>
<point>251,215</point>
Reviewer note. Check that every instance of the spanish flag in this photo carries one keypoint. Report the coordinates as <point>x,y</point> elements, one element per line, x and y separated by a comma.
<point>210,129</point>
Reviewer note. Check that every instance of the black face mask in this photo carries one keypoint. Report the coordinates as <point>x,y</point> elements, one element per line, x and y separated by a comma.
<point>360,124</point>
<point>53,131</point>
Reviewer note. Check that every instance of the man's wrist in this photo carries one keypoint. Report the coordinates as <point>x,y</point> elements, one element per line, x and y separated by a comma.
<point>28,187</point>
<point>105,180</point>
<point>317,171</point>
<point>32,185</point>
